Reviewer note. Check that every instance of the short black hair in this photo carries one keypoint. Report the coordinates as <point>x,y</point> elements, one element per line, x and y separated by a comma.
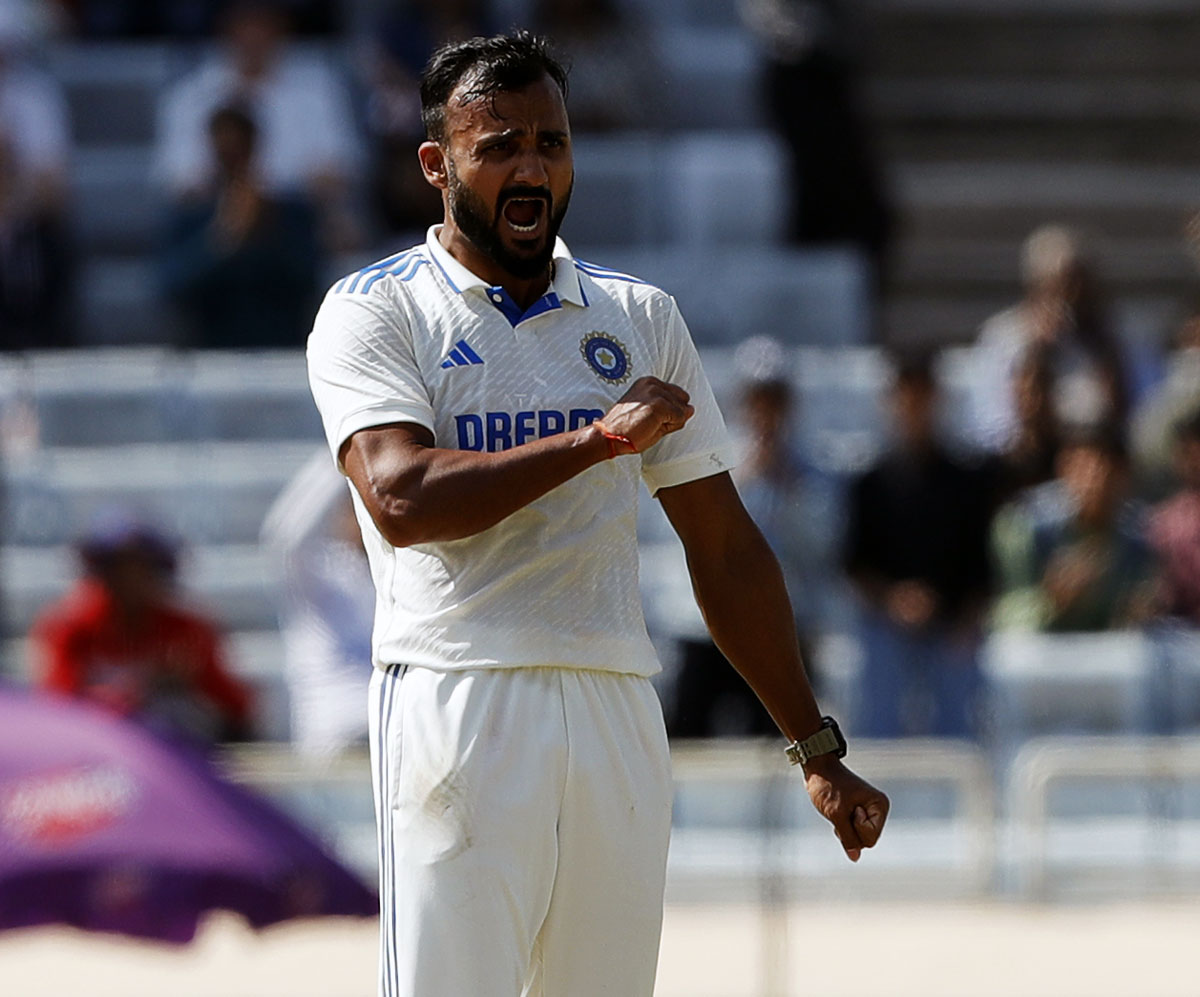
<point>495,65</point>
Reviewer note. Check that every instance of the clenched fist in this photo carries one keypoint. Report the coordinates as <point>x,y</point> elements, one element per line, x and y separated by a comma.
<point>647,412</point>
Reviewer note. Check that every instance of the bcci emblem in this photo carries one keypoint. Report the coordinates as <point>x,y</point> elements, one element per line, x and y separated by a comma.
<point>606,355</point>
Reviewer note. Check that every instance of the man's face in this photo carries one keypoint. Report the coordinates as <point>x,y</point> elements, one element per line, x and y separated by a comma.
<point>509,174</point>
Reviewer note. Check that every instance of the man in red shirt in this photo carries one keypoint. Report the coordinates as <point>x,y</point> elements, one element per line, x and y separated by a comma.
<point>120,638</point>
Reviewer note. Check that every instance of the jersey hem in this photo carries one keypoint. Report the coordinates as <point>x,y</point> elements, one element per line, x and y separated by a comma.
<point>368,418</point>
<point>690,468</point>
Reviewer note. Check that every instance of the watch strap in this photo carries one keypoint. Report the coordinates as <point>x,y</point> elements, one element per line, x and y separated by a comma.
<point>826,741</point>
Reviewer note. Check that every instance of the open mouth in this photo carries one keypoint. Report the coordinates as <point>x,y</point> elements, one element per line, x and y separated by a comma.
<point>524,214</point>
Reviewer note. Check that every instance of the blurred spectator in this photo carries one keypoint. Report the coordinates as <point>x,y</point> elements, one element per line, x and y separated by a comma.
<point>35,271</point>
<point>121,637</point>
<point>1064,313</point>
<point>242,264</point>
<point>615,70</point>
<point>916,552</point>
<point>34,268</point>
<point>810,80</point>
<point>402,201</point>
<point>1174,529</point>
<point>309,146</point>
<point>327,606</point>
<point>1175,398</point>
<point>796,508</point>
<point>1071,554</point>
<point>1029,456</point>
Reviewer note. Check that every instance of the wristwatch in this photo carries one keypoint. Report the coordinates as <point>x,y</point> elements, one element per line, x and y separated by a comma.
<point>826,741</point>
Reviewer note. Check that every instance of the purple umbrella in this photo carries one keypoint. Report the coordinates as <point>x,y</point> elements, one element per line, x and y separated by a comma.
<point>105,826</point>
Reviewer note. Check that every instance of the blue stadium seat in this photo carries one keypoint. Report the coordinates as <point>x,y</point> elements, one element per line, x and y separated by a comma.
<point>112,88</point>
<point>1069,683</point>
<point>725,187</point>
<point>618,191</point>
<point>711,78</point>
<point>802,297</point>
<point>114,208</point>
<point>120,303</point>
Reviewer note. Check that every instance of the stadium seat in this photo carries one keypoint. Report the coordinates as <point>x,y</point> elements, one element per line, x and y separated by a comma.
<point>802,297</point>
<point>112,88</point>
<point>711,78</point>
<point>210,492</point>
<point>114,209</point>
<point>118,296</point>
<point>1068,683</point>
<point>103,397</point>
<point>725,188</point>
<point>261,395</point>
<point>618,189</point>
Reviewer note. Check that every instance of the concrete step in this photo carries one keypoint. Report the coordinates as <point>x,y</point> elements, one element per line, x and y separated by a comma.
<point>1056,140</point>
<point>943,318</point>
<point>1007,199</point>
<point>985,264</point>
<point>984,39</point>
<point>1108,100</point>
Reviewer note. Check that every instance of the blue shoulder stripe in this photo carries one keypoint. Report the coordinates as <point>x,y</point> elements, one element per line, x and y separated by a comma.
<point>404,270</point>
<point>412,272</point>
<point>349,283</point>
<point>592,270</point>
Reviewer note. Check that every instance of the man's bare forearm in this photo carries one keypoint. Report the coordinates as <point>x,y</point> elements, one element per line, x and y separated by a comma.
<point>746,606</point>
<point>418,493</point>
<point>740,590</point>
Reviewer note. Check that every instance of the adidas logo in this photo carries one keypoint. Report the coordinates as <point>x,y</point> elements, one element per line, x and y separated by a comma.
<point>461,356</point>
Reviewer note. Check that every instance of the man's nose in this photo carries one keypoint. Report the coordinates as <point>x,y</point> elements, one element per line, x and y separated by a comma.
<point>531,169</point>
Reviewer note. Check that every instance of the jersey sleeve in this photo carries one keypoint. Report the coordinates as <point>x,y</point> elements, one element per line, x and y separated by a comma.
<point>362,368</point>
<point>703,447</point>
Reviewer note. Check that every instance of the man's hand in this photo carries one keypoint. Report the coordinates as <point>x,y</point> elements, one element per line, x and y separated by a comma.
<point>1071,573</point>
<point>239,209</point>
<point>647,412</point>
<point>855,808</point>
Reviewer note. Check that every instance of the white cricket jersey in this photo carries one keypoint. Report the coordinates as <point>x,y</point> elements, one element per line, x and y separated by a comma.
<point>418,338</point>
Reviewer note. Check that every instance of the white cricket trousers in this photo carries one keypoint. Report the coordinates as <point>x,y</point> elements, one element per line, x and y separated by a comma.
<point>524,817</point>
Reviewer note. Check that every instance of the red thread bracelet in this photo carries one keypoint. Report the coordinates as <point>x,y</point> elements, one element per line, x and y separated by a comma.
<point>613,439</point>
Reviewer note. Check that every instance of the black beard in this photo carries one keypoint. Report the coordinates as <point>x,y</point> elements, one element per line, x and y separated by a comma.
<point>476,222</point>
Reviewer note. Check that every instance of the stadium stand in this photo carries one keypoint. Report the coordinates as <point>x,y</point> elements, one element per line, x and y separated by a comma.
<point>996,116</point>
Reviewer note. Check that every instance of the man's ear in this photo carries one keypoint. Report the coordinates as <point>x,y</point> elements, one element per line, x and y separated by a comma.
<point>433,164</point>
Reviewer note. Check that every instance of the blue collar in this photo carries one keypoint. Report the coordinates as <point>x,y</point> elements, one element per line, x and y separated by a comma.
<point>565,287</point>
<point>512,311</point>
